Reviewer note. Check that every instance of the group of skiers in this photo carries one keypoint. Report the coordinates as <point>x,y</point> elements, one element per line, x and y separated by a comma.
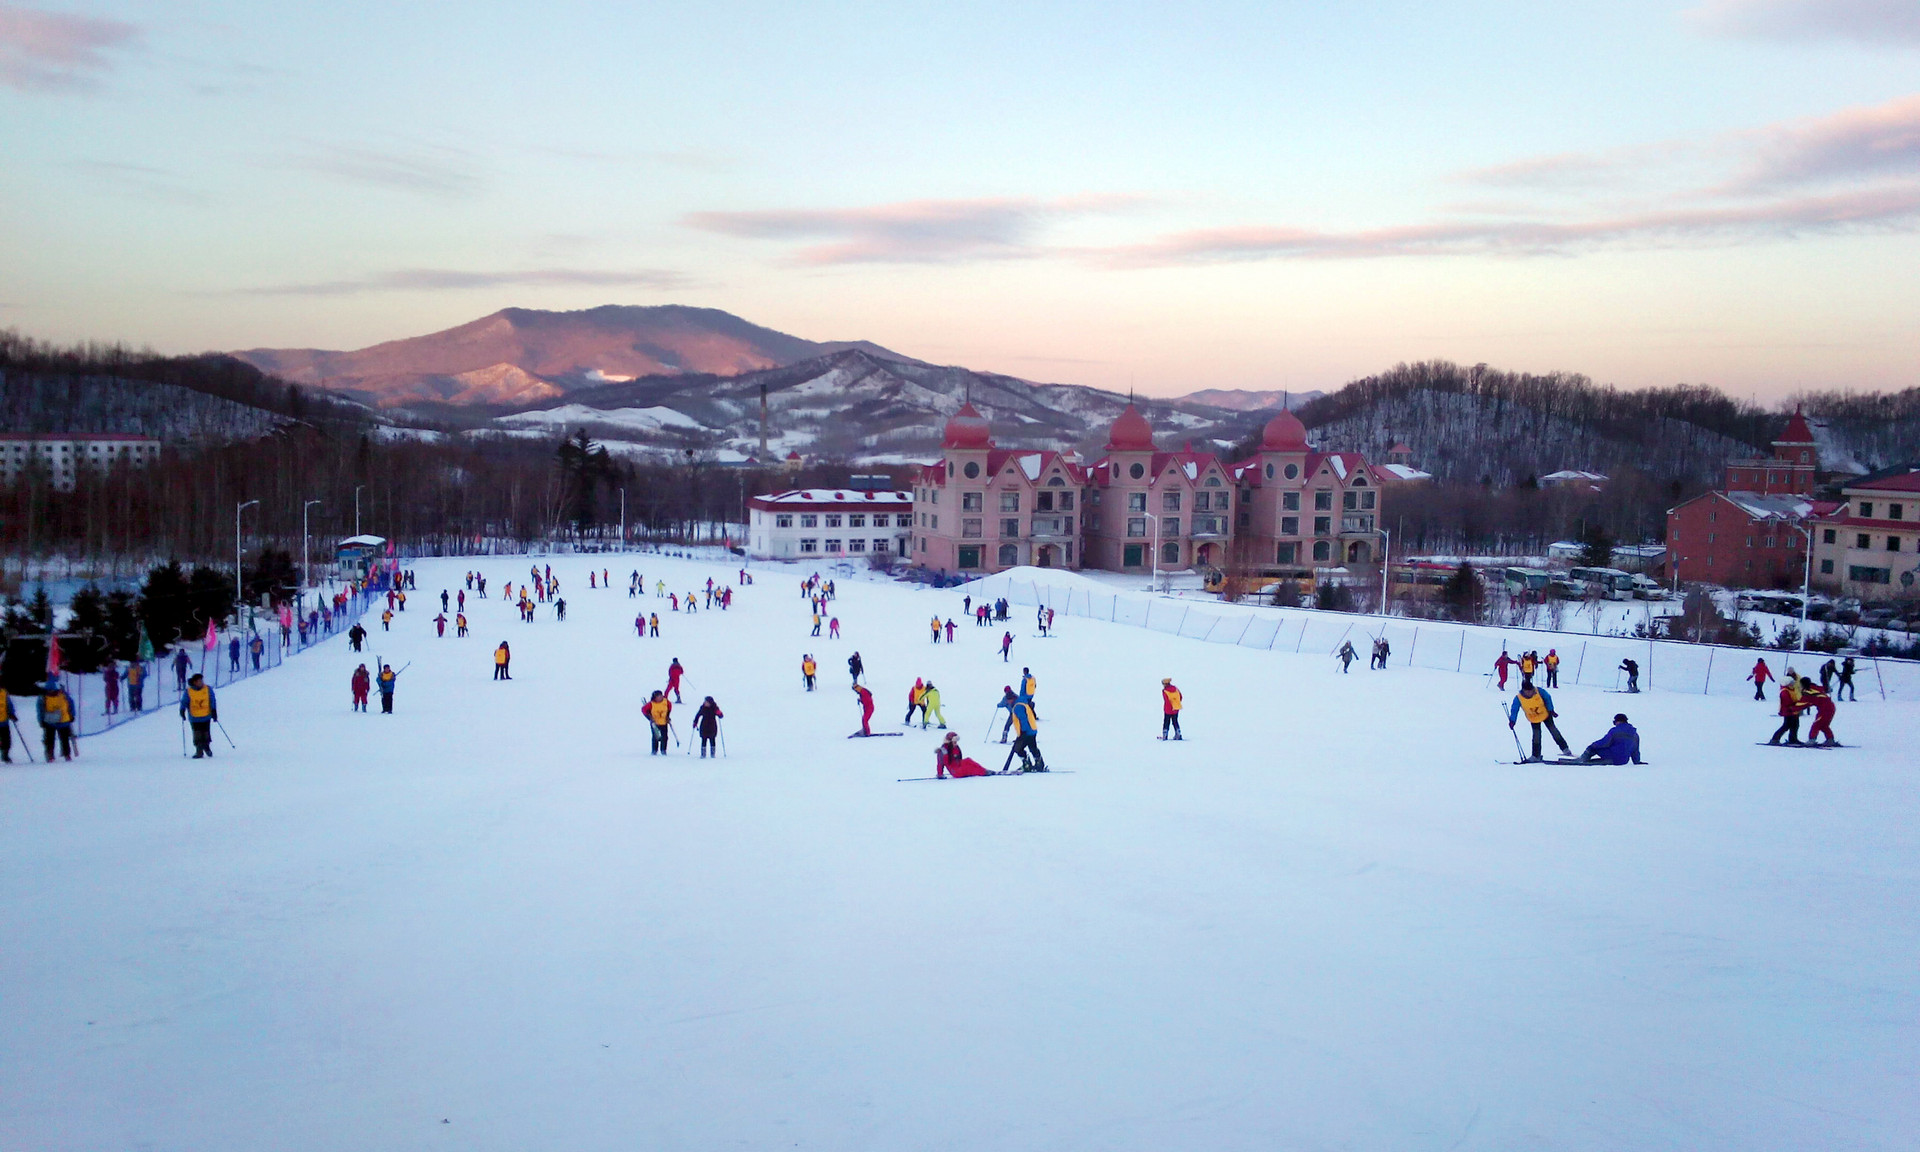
<point>55,713</point>
<point>1800,695</point>
<point>1621,744</point>
<point>1530,663</point>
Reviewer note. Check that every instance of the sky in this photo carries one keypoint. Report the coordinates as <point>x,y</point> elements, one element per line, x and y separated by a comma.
<point>1165,197</point>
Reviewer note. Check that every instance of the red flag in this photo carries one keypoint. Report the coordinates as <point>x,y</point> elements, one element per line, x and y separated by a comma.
<point>53,657</point>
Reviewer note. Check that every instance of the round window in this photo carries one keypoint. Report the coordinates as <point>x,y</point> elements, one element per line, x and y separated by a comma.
<point>1293,471</point>
<point>1137,471</point>
<point>972,469</point>
<point>1269,471</point>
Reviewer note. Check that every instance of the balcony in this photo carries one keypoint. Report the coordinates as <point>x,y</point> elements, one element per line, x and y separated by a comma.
<point>1209,527</point>
<point>1356,524</point>
<point>1053,527</point>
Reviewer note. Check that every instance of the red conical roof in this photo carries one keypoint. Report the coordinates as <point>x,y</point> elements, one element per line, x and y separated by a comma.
<point>1797,431</point>
<point>1284,433</point>
<point>1130,433</point>
<point>967,429</point>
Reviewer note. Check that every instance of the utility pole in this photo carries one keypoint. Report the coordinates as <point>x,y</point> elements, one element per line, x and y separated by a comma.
<point>306,548</point>
<point>1154,580</point>
<point>239,587</point>
<point>356,508</point>
<point>623,519</point>
<point>1386,554</point>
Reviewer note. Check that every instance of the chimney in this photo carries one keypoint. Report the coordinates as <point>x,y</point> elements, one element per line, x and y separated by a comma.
<point>763,422</point>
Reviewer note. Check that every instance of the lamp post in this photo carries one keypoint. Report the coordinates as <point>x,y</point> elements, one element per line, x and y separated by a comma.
<point>239,587</point>
<point>356,508</point>
<point>306,547</point>
<point>623,519</point>
<point>1155,578</point>
<point>1386,553</point>
<point>1806,583</point>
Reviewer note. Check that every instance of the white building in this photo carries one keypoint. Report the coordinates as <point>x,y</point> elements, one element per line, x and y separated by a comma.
<point>829,523</point>
<point>61,457</point>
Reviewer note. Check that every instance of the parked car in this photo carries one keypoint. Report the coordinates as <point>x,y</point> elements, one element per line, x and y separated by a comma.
<point>1845,616</point>
<point>1819,610</point>
<point>1876,617</point>
<point>1898,625</point>
<point>1647,588</point>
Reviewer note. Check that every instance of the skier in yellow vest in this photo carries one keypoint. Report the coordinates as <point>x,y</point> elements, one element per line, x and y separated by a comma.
<point>1538,709</point>
<point>1170,702</point>
<point>201,710</point>
<point>807,670</point>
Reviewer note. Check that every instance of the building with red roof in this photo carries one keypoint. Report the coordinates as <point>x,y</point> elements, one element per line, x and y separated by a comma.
<point>1301,508</point>
<point>1869,546</point>
<point>982,509</point>
<point>1149,509</point>
<point>1751,532</point>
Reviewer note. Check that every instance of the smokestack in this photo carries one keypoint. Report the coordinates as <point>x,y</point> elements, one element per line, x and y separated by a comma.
<point>763,424</point>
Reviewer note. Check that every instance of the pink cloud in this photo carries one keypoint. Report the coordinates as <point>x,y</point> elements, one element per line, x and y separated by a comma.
<point>1881,140</point>
<point>1877,22</point>
<point>1887,208</point>
<point>50,52</point>
<point>912,231</point>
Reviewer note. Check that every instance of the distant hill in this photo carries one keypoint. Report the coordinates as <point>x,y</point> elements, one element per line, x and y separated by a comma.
<point>523,355</point>
<point>1241,400</point>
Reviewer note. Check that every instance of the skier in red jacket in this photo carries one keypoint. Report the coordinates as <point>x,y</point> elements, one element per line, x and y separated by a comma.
<point>949,761</point>
<point>866,709</point>
<point>362,682</point>
<point>673,679</point>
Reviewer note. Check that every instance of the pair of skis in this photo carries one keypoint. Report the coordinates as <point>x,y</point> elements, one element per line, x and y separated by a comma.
<point>1048,772</point>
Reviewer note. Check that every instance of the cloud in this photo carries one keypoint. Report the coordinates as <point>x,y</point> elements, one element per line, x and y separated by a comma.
<point>1891,207</point>
<point>52,52</point>
<point>140,181</point>
<point>910,232</point>
<point>1876,22</point>
<point>457,280</point>
<point>431,169</point>
<point>1882,140</point>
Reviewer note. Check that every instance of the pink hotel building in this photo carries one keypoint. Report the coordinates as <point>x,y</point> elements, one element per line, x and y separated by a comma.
<point>983,509</point>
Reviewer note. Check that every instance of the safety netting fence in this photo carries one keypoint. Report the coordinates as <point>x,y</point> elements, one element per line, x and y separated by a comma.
<point>1589,661</point>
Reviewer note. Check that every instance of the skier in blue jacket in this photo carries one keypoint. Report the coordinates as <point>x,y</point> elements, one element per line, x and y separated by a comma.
<point>1621,744</point>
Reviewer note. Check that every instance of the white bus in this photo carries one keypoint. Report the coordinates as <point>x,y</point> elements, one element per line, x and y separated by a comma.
<point>1606,583</point>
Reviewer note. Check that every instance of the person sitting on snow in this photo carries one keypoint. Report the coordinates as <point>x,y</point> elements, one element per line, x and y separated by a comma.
<point>1621,745</point>
<point>949,761</point>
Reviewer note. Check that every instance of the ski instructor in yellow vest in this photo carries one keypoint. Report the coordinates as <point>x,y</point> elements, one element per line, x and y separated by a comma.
<point>201,711</point>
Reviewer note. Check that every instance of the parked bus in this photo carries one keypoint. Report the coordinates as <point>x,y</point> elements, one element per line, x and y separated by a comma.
<point>1606,583</point>
<point>1528,581</point>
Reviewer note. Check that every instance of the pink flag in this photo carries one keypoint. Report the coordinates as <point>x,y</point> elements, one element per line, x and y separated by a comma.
<point>53,657</point>
<point>213,636</point>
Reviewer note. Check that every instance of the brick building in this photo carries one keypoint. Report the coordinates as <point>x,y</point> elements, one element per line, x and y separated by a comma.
<point>1301,508</point>
<point>983,509</point>
<point>1140,499</point>
<point>1750,532</point>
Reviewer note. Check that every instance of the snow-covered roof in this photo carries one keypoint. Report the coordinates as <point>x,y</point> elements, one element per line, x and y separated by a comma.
<point>1764,506</point>
<point>1572,476</point>
<point>363,541</point>
<point>1030,464</point>
<point>1908,481</point>
<point>1400,472</point>
<point>829,498</point>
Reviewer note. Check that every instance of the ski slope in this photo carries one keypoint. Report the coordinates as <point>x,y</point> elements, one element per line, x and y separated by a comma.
<point>1330,918</point>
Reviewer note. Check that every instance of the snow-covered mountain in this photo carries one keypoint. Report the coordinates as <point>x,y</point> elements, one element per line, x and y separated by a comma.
<point>1243,400</point>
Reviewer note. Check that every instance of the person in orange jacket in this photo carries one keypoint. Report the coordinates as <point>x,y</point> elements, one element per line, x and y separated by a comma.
<point>1816,698</point>
<point>659,712</point>
<point>913,700</point>
<point>1789,711</point>
<point>1760,675</point>
<point>1169,709</point>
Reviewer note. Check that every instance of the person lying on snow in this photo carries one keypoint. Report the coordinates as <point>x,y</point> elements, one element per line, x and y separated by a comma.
<point>1621,745</point>
<point>949,761</point>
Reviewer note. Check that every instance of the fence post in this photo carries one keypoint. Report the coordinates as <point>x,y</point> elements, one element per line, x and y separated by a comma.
<point>1879,679</point>
<point>1577,668</point>
<point>1303,636</point>
<point>1415,643</point>
<point>1183,623</point>
<point>1244,629</point>
<point>1709,680</point>
<point>1460,661</point>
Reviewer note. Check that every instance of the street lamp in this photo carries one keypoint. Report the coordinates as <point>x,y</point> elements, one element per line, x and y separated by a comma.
<point>306,547</point>
<point>1155,578</point>
<point>1806,584</point>
<point>1386,553</point>
<point>356,508</point>
<point>239,588</point>
<point>623,519</point>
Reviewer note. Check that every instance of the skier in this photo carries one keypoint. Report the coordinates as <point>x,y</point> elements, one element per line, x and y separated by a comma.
<point>1538,707</point>
<point>1008,700</point>
<point>1006,646</point>
<point>1761,674</point>
<point>674,672</point>
<point>866,709</point>
<point>362,683</point>
<point>1823,710</point>
<point>1347,656</point>
<point>403,601</point>
<point>7,717</point>
<point>181,663</point>
<point>440,625</point>
<point>948,760</point>
<point>833,628</point>
<point>949,630</point>
<point>1026,745</point>
<point>1049,621</point>
<point>1621,745</point>
<point>1632,669</point>
<point>653,625</point>
<point>1170,703</point>
<point>257,646</point>
<point>560,609</point>
<point>1501,665</point>
<point>1846,681</point>
<point>1827,672</point>
<point>1528,664</point>
<point>386,623</point>
<point>816,625</point>
<point>930,707</point>
<point>385,682</point>
<point>1040,620</point>
<point>502,661</point>
<point>1386,650</point>
<point>913,702</point>
<point>640,626</point>
<point>936,629</point>
<point>807,669</point>
<point>460,624</point>
<point>966,604</point>
<point>706,722</point>
<point>1553,667</point>
<point>136,685</point>
<point>110,684</point>
<point>1029,687</point>
<point>233,656</point>
<point>854,667</point>
<point>1789,711</point>
<point>460,600</point>
<point>201,711</point>
<point>445,602</point>
<point>659,712</point>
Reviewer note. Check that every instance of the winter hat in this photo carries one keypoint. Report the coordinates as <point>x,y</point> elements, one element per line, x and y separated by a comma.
<point>1166,679</point>
<point>1619,717</point>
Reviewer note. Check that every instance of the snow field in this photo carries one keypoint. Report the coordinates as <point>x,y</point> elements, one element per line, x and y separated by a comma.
<point>1328,918</point>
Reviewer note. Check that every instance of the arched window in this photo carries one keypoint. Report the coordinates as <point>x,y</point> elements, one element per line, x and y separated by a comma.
<point>1054,481</point>
<point>1213,482</point>
<point>1009,555</point>
<point>1359,481</point>
<point>1322,550</point>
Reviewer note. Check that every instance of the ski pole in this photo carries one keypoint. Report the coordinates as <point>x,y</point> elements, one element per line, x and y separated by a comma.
<point>223,732</point>
<point>676,733</point>
<point>1513,732</point>
<point>24,746</point>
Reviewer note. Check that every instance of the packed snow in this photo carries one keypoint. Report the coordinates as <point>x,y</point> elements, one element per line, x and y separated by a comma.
<point>651,419</point>
<point>1331,917</point>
